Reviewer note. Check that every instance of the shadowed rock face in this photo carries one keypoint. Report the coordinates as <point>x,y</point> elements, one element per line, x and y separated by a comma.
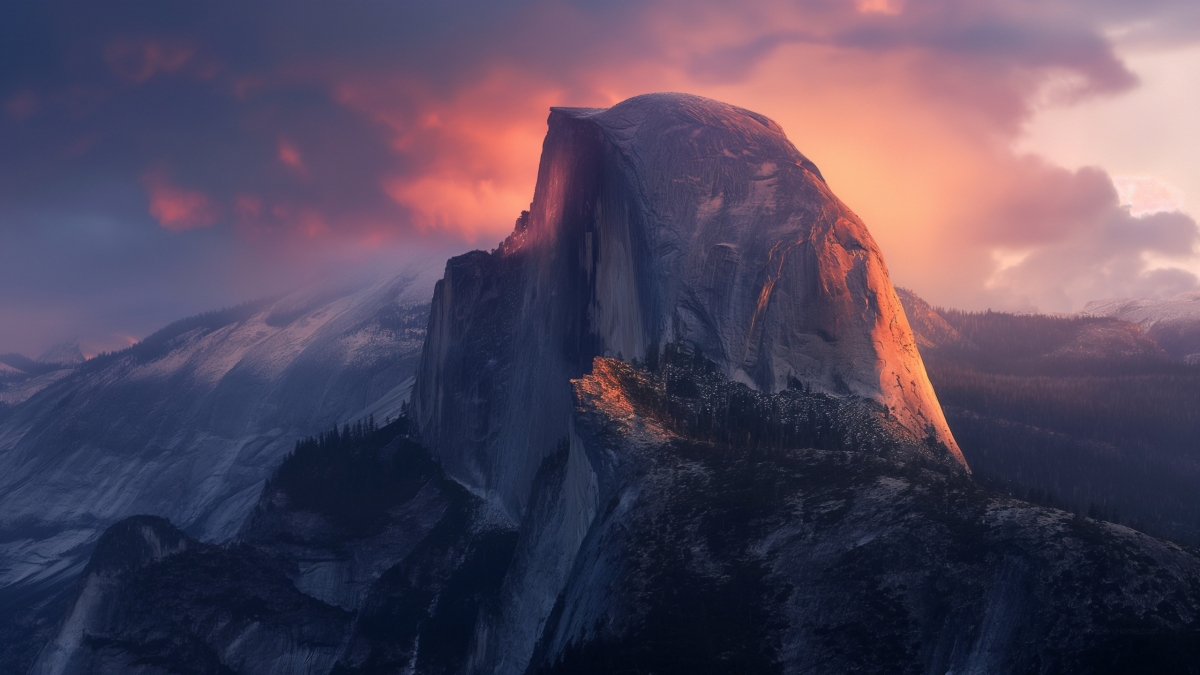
<point>667,217</point>
<point>689,525</point>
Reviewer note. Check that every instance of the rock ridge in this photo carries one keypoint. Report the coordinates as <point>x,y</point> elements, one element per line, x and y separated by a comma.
<point>668,217</point>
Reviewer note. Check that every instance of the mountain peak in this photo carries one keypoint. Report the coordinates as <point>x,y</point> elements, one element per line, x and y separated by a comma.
<point>665,218</point>
<point>66,353</point>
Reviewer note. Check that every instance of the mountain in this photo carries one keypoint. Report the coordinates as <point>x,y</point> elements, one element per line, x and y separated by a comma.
<point>1082,412</point>
<point>676,423</point>
<point>930,328</point>
<point>1173,322</point>
<point>1006,336</point>
<point>66,353</point>
<point>666,217</point>
<point>730,531</point>
<point>188,423</point>
<point>22,377</point>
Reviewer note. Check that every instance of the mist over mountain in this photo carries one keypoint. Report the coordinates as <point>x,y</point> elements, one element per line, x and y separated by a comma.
<point>677,422</point>
<point>67,353</point>
<point>187,424</point>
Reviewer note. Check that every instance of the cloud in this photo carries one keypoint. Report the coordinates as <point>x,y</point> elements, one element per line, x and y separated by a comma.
<point>1055,239</point>
<point>175,208</point>
<point>879,6</point>
<point>1109,259</point>
<point>1147,194</point>
<point>289,154</point>
<point>315,133</point>
<point>452,204</point>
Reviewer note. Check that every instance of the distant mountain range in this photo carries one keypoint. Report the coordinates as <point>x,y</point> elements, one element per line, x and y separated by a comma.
<point>1173,322</point>
<point>1087,412</point>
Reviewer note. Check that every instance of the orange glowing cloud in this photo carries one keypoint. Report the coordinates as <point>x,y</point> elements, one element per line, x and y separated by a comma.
<point>477,150</point>
<point>915,141</point>
<point>137,60</point>
<point>879,6</point>
<point>175,208</point>
<point>907,109</point>
<point>469,209</point>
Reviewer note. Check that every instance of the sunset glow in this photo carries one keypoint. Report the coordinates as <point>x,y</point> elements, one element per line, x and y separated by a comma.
<point>381,137</point>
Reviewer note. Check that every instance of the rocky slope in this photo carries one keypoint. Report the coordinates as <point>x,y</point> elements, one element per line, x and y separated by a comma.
<point>1173,322</point>
<point>666,217</point>
<point>187,425</point>
<point>726,530</point>
<point>930,329</point>
<point>718,556</point>
<point>361,556</point>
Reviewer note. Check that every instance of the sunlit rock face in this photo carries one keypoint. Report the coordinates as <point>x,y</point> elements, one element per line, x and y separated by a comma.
<point>667,217</point>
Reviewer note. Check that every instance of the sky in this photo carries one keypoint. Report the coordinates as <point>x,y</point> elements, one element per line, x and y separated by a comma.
<point>162,159</point>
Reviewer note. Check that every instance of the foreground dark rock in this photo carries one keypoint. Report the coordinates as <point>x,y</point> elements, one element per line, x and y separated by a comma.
<point>300,591</point>
<point>710,556</point>
<point>718,546</point>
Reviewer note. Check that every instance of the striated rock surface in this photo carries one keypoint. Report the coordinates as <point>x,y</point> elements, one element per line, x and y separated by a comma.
<point>154,601</point>
<point>66,353</point>
<point>360,557</point>
<point>666,217</point>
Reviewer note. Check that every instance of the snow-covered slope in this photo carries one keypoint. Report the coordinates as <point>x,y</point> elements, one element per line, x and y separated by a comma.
<point>66,353</point>
<point>1172,322</point>
<point>187,424</point>
<point>666,217</point>
<point>20,386</point>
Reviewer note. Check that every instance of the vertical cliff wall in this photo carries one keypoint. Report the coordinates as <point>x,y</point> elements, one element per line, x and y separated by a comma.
<point>666,217</point>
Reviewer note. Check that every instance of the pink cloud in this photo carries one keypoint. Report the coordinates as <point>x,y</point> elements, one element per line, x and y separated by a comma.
<point>909,107</point>
<point>175,208</point>
<point>289,154</point>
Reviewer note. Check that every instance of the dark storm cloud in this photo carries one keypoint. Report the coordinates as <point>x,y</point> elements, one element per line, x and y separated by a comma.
<point>164,158</point>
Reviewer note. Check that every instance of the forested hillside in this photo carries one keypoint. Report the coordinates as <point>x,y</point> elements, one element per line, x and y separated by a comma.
<point>1085,413</point>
